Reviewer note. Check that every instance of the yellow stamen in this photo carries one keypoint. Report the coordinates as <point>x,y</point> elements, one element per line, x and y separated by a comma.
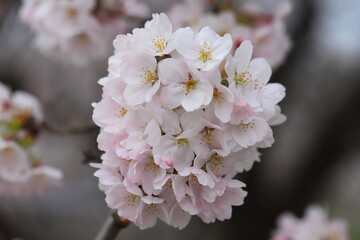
<point>205,52</point>
<point>151,167</point>
<point>217,96</point>
<point>71,13</point>
<point>189,84</point>
<point>193,180</point>
<point>247,126</point>
<point>216,162</point>
<point>6,150</point>
<point>149,77</point>
<point>207,135</point>
<point>180,142</point>
<point>131,199</point>
<point>82,37</point>
<point>243,78</point>
<point>120,112</point>
<point>159,42</point>
<point>152,209</point>
<point>246,78</point>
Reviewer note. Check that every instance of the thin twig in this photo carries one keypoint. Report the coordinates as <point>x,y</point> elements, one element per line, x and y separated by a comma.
<point>112,227</point>
<point>90,157</point>
<point>68,130</point>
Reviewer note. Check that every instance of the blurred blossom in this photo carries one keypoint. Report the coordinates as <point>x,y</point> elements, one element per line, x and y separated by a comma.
<point>315,225</point>
<point>267,32</point>
<point>79,31</point>
<point>179,118</point>
<point>133,8</point>
<point>21,173</point>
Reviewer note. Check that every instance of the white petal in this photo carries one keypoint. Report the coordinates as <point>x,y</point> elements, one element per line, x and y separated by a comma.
<point>230,68</point>
<point>178,217</point>
<point>222,47</point>
<point>172,70</point>
<point>192,101</point>
<point>171,96</point>
<point>243,56</point>
<point>257,131</point>
<point>153,133</point>
<point>135,94</point>
<point>151,92</point>
<point>223,111</point>
<point>261,69</point>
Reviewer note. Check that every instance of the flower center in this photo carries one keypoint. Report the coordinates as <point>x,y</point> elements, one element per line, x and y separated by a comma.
<point>205,52</point>
<point>193,180</point>
<point>71,13</point>
<point>217,96</point>
<point>7,150</point>
<point>159,42</point>
<point>152,209</point>
<point>207,135</point>
<point>151,167</point>
<point>148,77</point>
<point>189,84</point>
<point>247,126</point>
<point>131,199</point>
<point>194,21</point>
<point>245,79</point>
<point>180,142</point>
<point>120,112</point>
<point>216,162</point>
<point>82,38</point>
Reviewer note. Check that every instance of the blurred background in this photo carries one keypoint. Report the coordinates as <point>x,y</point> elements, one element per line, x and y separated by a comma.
<point>315,158</point>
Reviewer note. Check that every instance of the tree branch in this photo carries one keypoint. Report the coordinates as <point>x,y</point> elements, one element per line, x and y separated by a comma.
<point>68,130</point>
<point>112,227</point>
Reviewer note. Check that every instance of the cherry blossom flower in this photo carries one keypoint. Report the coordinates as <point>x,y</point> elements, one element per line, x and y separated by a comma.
<point>177,126</point>
<point>183,86</point>
<point>21,173</point>
<point>269,32</point>
<point>315,225</point>
<point>143,81</point>
<point>172,150</point>
<point>203,132</point>
<point>205,50</point>
<point>133,205</point>
<point>41,179</point>
<point>222,101</point>
<point>249,22</point>
<point>14,164</point>
<point>193,9</point>
<point>78,31</point>
<point>131,7</point>
<point>157,35</point>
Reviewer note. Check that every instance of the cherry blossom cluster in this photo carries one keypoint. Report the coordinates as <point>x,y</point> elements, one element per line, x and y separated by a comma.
<point>265,30</point>
<point>180,117</point>
<point>315,225</point>
<point>21,173</point>
<point>79,31</point>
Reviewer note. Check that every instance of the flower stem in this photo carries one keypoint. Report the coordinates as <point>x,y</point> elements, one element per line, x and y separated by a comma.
<point>111,227</point>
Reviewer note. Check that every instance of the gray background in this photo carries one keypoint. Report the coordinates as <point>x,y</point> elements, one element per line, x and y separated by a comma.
<point>315,158</point>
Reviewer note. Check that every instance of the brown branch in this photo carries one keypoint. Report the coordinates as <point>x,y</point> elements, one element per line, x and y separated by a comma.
<point>68,130</point>
<point>112,227</point>
<point>90,157</point>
